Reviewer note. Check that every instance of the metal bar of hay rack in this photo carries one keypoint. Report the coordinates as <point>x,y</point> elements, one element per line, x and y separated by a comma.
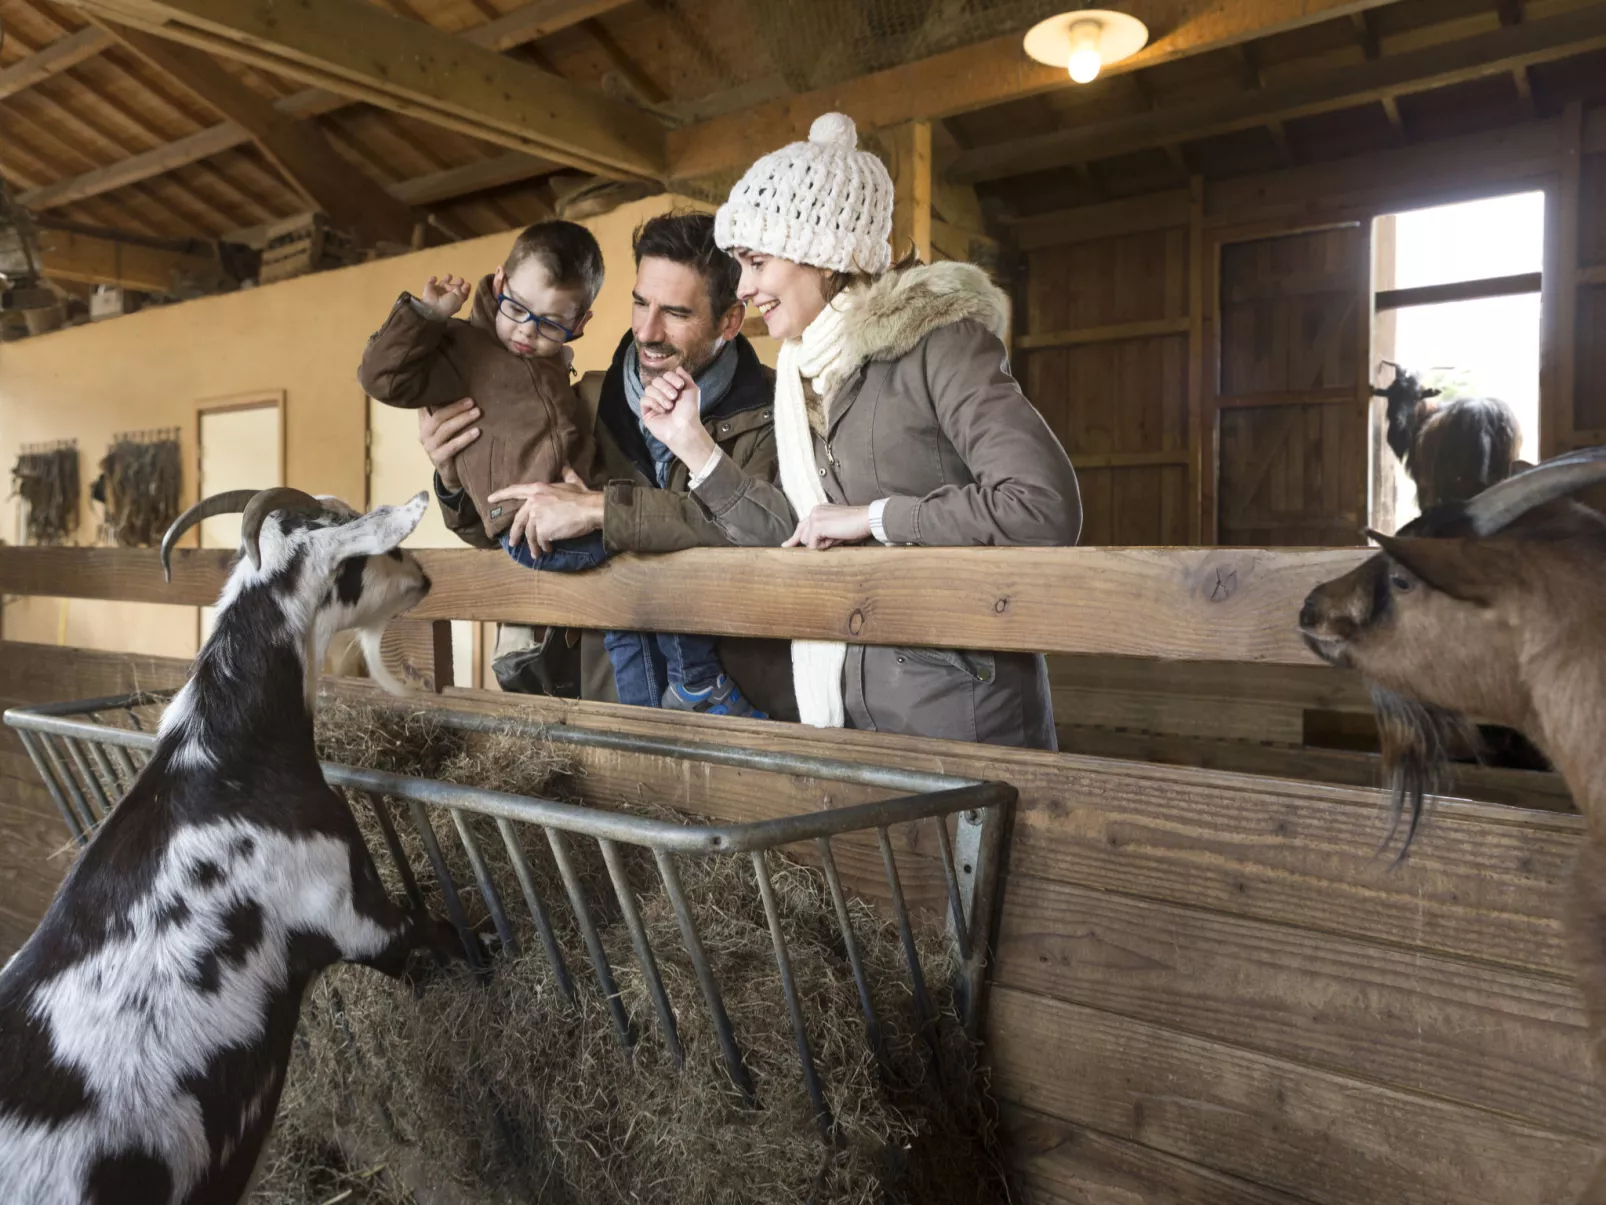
<point>88,752</point>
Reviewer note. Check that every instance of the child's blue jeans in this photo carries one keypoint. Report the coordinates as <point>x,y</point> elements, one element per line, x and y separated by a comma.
<point>644,663</point>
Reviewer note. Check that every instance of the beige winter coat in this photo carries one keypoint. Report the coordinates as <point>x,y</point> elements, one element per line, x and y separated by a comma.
<point>931,419</point>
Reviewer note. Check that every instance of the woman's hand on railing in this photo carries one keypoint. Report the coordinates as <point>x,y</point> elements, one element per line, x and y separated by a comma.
<point>826,526</point>
<point>672,409</point>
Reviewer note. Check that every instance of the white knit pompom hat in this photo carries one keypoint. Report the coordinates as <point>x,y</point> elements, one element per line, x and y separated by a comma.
<point>822,202</point>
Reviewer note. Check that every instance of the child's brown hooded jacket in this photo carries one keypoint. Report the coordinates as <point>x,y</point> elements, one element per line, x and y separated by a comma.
<point>532,423</point>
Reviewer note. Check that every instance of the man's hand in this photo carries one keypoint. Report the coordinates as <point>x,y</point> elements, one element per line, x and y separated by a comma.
<point>446,432</point>
<point>671,408</point>
<point>827,526</point>
<point>445,295</point>
<point>552,512</point>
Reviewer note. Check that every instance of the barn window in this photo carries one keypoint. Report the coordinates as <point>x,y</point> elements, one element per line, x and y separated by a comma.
<point>1457,302</point>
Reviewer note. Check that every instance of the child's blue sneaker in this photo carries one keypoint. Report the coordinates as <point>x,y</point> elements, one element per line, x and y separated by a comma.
<point>722,698</point>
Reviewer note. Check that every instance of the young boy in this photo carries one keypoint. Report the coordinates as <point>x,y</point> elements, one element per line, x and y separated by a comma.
<point>511,356</point>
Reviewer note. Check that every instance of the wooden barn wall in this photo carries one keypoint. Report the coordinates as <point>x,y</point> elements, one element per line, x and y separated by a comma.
<point>1207,987</point>
<point>1204,354</point>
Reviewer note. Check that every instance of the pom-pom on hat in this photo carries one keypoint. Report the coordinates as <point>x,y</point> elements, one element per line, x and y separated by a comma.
<point>822,202</point>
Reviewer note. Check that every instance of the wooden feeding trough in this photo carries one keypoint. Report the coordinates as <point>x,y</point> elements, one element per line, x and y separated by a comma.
<point>1204,985</point>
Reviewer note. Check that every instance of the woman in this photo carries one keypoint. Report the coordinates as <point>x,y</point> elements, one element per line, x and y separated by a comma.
<point>895,418</point>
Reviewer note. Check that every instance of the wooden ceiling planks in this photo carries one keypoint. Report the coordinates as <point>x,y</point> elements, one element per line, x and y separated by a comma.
<point>110,121</point>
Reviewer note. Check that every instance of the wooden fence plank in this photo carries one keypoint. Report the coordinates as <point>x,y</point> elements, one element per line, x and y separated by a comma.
<point>1338,1140</point>
<point>1514,788</point>
<point>1482,882</point>
<point>1105,334</point>
<point>1205,604</point>
<point>1503,1040</point>
<point>1061,1163</point>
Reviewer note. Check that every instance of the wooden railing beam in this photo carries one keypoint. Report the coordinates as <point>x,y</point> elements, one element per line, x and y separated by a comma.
<point>1212,604</point>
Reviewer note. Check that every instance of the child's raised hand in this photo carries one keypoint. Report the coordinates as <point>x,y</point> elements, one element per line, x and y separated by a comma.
<point>445,295</point>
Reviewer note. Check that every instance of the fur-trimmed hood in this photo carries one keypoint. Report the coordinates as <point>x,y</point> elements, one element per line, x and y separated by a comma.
<point>893,314</point>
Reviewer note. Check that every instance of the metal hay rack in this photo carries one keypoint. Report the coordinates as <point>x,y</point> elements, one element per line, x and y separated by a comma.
<point>89,752</point>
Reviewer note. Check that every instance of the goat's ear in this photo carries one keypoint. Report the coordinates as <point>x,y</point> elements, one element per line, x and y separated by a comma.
<point>378,531</point>
<point>1460,568</point>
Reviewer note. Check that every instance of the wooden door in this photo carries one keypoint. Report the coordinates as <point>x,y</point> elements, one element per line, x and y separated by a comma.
<point>1103,353</point>
<point>241,446</point>
<point>1291,390</point>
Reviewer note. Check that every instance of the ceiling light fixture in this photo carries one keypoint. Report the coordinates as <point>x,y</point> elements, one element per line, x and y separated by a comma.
<point>1085,41</point>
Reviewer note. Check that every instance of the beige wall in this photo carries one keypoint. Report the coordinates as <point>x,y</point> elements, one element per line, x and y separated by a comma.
<point>300,337</point>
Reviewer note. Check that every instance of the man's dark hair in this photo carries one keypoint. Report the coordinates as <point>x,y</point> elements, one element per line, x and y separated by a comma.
<point>567,251</point>
<point>688,238</point>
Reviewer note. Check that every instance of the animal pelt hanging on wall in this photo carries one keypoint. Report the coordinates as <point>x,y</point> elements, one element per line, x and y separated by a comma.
<point>45,477</point>
<point>141,485</point>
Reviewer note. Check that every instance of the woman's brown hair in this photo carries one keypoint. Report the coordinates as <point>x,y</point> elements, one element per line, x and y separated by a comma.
<point>837,283</point>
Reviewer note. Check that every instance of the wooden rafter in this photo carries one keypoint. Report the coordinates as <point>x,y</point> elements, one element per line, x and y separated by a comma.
<point>642,84</point>
<point>509,32</point>
<point>1494,53</point>
<point>1366,34</point>
<point>352,48</point>
<point>975,77</point>
<point>298,149</point>
<point>60,55</point>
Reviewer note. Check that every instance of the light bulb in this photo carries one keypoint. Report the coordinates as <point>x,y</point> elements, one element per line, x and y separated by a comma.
<point>1085,59</point>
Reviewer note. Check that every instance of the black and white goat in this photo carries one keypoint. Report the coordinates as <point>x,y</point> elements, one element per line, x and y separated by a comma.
<point>146,1025</point>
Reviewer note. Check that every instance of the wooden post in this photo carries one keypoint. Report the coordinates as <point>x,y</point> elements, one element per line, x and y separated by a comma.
<point>1196,353</point>
<point>1385,325</point>
<point>419,652</point>
<point>1559,301</point>
<point>1365,297</point>
<point>910,147</point>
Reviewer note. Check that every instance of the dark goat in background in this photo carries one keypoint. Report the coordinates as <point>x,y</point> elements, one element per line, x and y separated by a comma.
<point>1494,607</point>
<point>1452,450</point>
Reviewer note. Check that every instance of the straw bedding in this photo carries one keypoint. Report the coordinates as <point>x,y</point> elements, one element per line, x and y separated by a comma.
<point>478,1089</point>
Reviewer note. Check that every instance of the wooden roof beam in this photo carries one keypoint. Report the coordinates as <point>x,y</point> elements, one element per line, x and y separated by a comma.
<point>352,48</point>
<point>1494,53</point>
<point>59,56</point>
<point>975,77</point>
<point>89,259</point>
<point>638,81</point>
<point>1366,34</point>
<point>531,21</point>
<point>298,149</point>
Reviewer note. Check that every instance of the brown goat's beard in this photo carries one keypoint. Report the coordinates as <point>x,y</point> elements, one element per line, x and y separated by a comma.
<point>1416,740</point>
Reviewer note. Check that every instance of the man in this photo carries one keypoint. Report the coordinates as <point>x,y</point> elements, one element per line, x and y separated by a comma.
<point>685,314</point>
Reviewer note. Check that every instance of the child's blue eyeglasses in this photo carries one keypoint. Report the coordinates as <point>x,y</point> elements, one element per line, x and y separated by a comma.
<point>513,311</point>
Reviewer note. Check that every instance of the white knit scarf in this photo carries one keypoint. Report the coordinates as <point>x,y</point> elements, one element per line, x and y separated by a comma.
<point>818,356</point>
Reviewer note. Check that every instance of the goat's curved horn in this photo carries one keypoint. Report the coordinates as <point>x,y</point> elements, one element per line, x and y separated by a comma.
<point>1506,501</point>
<point>231,502</point>
<point>264,504</point>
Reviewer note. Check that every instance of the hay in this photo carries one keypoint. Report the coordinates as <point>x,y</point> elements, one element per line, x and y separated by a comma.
<point>500,1091</point>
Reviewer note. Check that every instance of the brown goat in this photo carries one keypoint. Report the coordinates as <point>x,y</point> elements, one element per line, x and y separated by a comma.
<point>1452,450</point>
<point>1496,608</point>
